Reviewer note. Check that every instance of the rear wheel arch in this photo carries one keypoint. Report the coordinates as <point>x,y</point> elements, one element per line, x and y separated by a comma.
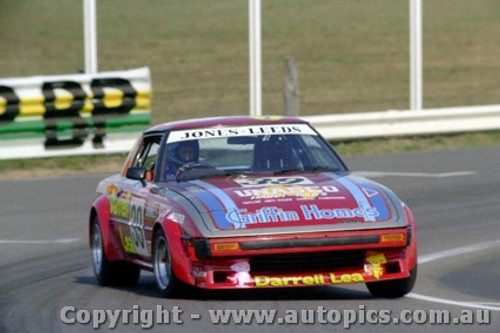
<point>100,210</point>
<point>109,272</point>
<point>93,215</point>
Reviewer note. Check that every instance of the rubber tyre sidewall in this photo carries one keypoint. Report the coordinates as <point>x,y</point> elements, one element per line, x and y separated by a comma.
<point>111,272</point>
<point>393,288</point>
<point>171,288</point>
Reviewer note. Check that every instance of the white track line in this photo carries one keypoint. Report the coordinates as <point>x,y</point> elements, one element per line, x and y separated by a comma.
<point>474,305</point>
<point>450,253</point>
<point>38,241</point>
<point>414,174</point>
<point>457,251</point>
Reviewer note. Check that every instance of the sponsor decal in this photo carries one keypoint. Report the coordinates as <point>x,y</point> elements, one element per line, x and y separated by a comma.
<point>307,280</point>
<point>266,181</point>
<point>242,275</point>
<point>131,210</point>
<point>225,132</point>
<point>120,207</point>
<point>241,217</point>
<point>312,212</point>
<point>127,243</point>
<point>274,192</point>
<point>243,266</point>
<point>374,267</point>
<point>358,195</point>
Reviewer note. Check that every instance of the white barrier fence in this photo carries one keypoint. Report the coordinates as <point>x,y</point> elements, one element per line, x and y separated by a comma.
<point>400,123</point>
<point>31,124</point>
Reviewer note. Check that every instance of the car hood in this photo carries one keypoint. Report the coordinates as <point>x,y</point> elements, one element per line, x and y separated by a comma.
<point>293,203</point>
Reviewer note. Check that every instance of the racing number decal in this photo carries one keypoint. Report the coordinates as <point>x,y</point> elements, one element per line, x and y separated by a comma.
<point>273,181</point>
<point>136,224</point>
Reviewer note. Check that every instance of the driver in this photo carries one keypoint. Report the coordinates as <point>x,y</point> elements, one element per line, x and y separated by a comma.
<point>186,153</point>
<point>181,154</point>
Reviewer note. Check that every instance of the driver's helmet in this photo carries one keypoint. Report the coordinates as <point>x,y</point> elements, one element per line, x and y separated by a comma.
<point>181,153</point>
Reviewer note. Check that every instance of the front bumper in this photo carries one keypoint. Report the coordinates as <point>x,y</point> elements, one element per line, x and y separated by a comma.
<point>305,260</point>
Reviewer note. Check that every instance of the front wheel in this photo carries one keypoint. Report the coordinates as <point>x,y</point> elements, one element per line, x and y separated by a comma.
<point>110,272</point>
<point>393,288</point>
<point>167,283</point>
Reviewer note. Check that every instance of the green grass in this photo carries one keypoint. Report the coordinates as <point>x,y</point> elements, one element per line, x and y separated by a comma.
<point>76,163</point>
<point>420,143</point>
<point>352,56</point>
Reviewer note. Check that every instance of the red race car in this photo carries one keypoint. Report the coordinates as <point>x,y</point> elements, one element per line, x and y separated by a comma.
<point>241,202</point>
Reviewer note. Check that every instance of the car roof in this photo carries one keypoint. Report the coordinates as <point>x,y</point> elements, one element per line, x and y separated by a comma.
<point>224,121</point>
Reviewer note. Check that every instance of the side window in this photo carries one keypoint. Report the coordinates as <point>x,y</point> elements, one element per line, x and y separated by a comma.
<point>147,154</point>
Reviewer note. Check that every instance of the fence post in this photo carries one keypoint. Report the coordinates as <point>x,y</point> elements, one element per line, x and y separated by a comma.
<point>291,88</point>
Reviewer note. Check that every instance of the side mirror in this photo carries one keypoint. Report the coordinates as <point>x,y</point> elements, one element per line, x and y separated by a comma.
<point>137,173</point>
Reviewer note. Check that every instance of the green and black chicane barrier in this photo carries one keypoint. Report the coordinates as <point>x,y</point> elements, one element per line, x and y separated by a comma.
<point>78,114</point>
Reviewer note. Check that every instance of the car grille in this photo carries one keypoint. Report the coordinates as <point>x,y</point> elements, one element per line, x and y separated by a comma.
<point>307,261</point>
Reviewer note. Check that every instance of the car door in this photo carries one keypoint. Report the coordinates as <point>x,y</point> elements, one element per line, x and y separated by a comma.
<point>133,226</point>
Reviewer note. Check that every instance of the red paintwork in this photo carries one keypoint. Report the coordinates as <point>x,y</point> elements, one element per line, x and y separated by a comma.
<point>112,246</point>
<point>181,235</point>
<point>411,250</point>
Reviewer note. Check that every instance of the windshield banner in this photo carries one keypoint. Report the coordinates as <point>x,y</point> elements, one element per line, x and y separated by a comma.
<point>224,132</point>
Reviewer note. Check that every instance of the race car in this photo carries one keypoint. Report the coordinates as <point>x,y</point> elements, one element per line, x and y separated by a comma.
<point>248,202</point>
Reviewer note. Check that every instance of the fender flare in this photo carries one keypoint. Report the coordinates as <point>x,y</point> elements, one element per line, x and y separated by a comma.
<point>411,250</point>
<point>181,264</point>
<point>112,246</point>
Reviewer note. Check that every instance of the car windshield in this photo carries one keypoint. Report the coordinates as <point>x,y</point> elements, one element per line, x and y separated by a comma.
<point>255,149</point>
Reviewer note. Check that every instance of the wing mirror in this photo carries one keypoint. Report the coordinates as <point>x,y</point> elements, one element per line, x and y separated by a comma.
<point>137,173</point>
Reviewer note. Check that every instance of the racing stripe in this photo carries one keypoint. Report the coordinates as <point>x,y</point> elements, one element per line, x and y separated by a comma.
<point>220,194</point>
<point>356,192</point>
<point>210,201</point>
<point>213,206</point>
<point>227,202</point>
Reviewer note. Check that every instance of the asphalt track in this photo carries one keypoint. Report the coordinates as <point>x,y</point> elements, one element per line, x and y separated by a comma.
<point>454,195</point>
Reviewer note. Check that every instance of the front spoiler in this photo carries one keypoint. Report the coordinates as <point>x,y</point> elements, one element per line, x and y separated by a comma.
<point>378,265</point>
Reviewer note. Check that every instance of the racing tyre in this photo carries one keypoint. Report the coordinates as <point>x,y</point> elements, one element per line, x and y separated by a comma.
<point>110,272</point>
<point>167,283</point>
<point>393,288</point>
